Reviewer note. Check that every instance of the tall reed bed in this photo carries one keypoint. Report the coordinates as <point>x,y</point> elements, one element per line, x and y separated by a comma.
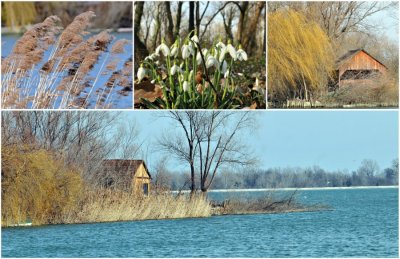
<point>52,67</point>
<point>105,205</point>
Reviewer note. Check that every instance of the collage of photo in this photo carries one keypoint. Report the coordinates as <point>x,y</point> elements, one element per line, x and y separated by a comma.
<point>218,129</point>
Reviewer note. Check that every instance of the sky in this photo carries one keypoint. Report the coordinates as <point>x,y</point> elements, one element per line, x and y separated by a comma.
<point>388,21</point>
<point>333,140</point>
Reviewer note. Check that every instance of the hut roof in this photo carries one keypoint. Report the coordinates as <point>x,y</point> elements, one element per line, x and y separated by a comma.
<point>122,166</point>
<point>350,54</point>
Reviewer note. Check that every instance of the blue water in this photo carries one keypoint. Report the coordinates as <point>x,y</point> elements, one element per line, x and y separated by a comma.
<point>117,100</point>
<point>363,223</point>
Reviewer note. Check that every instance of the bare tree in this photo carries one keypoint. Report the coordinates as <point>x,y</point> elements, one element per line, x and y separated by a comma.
<point>208,141</point>
<point>340,18</point>
<point>227,17</point>
<point>81,139</point>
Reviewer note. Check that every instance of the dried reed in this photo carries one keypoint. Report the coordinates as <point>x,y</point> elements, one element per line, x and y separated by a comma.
<point>112,205</point>
<point>62,80</point>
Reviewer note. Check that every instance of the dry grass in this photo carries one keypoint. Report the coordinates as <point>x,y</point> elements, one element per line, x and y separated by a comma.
<point>63,80</point>
<point>112,205</point>
<point>266,204</point>
<point>379,92</point>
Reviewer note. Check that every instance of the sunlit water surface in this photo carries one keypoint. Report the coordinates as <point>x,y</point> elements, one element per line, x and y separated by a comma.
<point>363,223</point>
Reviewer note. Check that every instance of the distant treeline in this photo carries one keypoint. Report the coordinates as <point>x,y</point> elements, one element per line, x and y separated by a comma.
<point>368,174</point>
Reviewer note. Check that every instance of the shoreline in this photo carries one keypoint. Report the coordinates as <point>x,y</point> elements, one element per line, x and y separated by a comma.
<point>239,209</point>
<point>299,189</point>
<point>297,210</point>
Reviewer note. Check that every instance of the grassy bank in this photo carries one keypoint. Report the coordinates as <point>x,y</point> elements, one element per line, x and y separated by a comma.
<point>111,205</point>
<point>107,205</point>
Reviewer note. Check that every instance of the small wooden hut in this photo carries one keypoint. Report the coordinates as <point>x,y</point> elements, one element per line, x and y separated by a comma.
<point>357,66</point>
<point>126,175</point>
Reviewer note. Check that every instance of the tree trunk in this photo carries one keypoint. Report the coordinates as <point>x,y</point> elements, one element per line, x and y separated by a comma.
<point>242,18</point>
<point>198,18</point>
<point>157,29</point>
<point>141,51</point>
<point>178,19</point>
<point>170,26</point>
<point>191,18</point>
<point>249,39</point>
<point>228,19</point>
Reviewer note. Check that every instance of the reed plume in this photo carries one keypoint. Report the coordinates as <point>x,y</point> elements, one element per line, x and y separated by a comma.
<point>69,75</point>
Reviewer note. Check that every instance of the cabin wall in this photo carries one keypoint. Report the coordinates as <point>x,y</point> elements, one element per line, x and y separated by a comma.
<point>361,61</point>
<point>141,177</point>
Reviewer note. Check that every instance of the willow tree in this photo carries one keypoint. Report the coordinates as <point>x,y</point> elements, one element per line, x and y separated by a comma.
<point>300,56</point>
<point>16,14</point>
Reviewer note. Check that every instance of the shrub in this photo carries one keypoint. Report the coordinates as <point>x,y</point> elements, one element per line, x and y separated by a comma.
<point>36,185</point>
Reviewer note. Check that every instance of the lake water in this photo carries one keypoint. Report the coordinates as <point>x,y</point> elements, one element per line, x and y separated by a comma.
<point>363,223</point>
<point>117,100</point>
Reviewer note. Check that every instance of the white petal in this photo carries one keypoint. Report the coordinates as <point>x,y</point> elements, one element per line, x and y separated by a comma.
<point>195,39</point>
<point>185,51</point>
<point>141,73</point>
<point>174,52</point>
<point>220,45</point>
<point>226,74</point>
<point>241,55</point>
<point>222,55</point>
<point>232,51</point>
<point>165,49</point>
<point>198,58</point>
<point>185,86</point>
<point>224,67</point>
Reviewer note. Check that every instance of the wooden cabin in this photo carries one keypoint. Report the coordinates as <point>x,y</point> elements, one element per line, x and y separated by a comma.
<point>357,66</point>
<point>126,175</point>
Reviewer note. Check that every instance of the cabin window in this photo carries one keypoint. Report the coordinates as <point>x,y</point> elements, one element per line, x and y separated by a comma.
<point>145,188</point>
<point>359,74</point>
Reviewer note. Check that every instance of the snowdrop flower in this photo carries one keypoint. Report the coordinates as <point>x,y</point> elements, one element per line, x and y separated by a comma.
<point>185,86</point>
<point>222,54</point>
<point>198,56</point>
<point>163,48</point>
<point>257,87</point>
<point>226,74</point>
<point>181,78</point>
<point>241,54</point>
<point>141,73</point>
<point>191,74</point>
<point>211,61</point>
<point>224,67</point>
<point>187,50</point>
<point>220,45</point>
<point>175,69</point>
<point>152,57</point>
<point>232,51</point>
<point>174,51</point>
<point>195,38</point>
